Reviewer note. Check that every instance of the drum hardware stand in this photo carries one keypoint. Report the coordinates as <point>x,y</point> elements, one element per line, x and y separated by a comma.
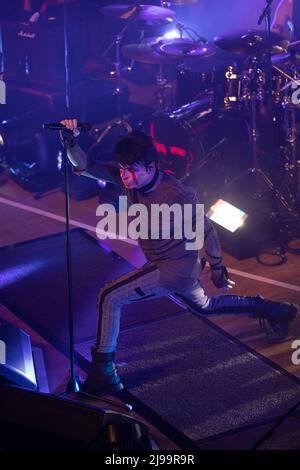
<point>116,42</point>
<point>282,72</point>
<point>279,238</point>
<point>286,75</point>
<point>206,159</point>
<point>290,150</point>
<point>118,122</point>
<point>162,86</point>
<point>290,156</point>
<point>255,171</point>
<point>118,65</point>
<point>192,33</point>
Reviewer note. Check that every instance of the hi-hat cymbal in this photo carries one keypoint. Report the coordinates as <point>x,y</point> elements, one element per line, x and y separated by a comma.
<point>148,13</point>
<point>250,42</point>
<point>145,53</point>
<point>183,2</point>
<point>183,48</point>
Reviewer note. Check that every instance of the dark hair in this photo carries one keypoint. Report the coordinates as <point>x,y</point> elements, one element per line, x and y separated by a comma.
<point>136,147</point>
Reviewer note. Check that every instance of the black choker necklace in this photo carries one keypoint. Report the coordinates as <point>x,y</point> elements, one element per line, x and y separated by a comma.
<point>150,185</point>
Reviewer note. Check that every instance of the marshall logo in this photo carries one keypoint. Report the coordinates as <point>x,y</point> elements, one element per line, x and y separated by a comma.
<point>2,91</point>
<point>2,352</point>
<point>25,34</point>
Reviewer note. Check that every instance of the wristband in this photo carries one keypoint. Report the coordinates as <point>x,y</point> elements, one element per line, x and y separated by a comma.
<point>214,267</point>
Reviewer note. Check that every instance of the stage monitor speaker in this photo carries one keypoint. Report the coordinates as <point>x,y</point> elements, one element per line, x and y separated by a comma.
<point>246,241</point>
<point>34,53</point>
<point>36,421</point>
<point>16,359</point>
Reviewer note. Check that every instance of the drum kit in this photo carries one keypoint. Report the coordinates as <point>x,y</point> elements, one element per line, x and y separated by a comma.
<point>222,94</point>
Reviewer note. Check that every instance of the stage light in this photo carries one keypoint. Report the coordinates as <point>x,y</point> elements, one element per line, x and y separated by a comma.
<point>59,160</point>
<point>173,34</point>
<point>102,183</point>
<point>227,216</point>
<point>240,228</point>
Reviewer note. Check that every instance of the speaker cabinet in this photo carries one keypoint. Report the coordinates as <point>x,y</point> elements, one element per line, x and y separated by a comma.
<point>34,53</point>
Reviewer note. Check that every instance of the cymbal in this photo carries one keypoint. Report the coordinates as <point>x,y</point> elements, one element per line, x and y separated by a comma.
<point>294,46</point>
<point>287,58</point>
<point>148,13</point>
<point>294,53</point>
<point>145,54</point>
<point>183,48</point>
<point>250,42</point>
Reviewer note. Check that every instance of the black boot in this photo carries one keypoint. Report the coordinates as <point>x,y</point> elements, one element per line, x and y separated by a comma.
<point>102,377</point>
<point>278,315</point>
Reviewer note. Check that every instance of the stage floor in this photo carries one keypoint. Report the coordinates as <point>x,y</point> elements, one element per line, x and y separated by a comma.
<point>26,218</point>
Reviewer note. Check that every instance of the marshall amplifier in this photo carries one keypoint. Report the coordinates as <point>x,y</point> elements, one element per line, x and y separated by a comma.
<point>34,53</point>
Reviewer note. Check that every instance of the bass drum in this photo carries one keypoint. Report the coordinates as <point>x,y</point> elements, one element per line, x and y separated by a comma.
<point>198,144</point>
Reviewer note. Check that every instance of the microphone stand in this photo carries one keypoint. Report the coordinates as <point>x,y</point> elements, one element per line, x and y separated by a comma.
<point>74,382</point>
<point>73,385</point>
<point>192,33</point>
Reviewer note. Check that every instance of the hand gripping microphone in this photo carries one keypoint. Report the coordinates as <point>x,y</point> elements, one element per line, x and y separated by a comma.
<point>57,126</point>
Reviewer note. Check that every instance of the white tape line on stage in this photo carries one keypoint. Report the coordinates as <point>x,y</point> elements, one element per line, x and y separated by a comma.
<point>75,223</point>
<point>50,215</point>
<point>266,280</point>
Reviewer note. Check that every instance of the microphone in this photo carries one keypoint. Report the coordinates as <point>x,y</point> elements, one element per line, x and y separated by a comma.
<point>57,126</point>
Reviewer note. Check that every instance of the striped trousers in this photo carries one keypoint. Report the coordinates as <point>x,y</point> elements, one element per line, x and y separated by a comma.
<point>144,284</point>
